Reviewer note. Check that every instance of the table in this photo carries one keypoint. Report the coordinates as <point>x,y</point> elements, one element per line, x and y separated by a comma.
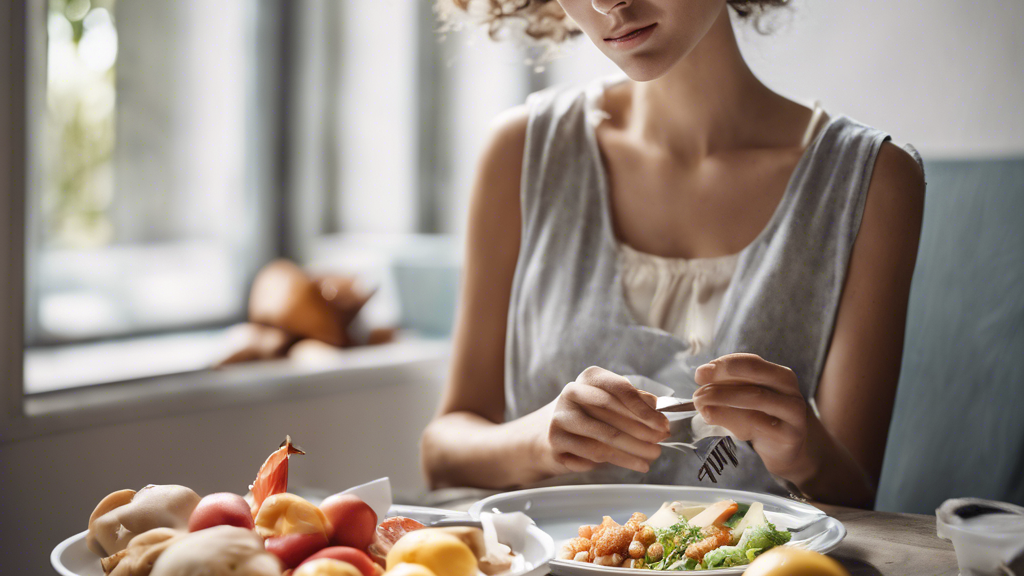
<point>887,544</point>
<point>876,544</point>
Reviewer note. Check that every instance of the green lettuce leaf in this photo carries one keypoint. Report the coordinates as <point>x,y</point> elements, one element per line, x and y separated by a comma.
<point>674,541</point>
<point>764,536</point>
<point>755,540</point>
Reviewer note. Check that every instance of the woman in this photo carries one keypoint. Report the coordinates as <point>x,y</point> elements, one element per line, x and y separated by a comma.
<point>689,225</point>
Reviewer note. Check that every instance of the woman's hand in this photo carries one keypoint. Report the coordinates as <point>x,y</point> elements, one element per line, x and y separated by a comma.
<point>602,418</point>
<point>760,402</point>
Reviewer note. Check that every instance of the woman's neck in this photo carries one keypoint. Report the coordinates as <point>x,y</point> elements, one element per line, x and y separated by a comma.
<point>711,102</point>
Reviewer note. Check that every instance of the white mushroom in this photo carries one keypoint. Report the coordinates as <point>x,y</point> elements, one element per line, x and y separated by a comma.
<point>125,514</point>
<point>218,551</point>
<point>142,552</point>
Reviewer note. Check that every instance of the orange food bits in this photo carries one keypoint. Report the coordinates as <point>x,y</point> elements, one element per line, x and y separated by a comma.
<point>637,549</point>
<point>612,540</point>
<point>715,537</point>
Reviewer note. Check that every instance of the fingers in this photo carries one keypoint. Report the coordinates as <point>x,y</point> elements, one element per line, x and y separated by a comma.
<point>751,425</point>
<point>631,427</point>
<point>602,418</point>
<point>581,424</point>
<point>593,450</point>
<point>586,394</point>
<point>790,409</point>
<point>574,463</point>
<point>748,369</point>
<point>637,402</point>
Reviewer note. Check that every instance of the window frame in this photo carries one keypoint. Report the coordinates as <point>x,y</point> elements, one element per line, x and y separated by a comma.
<point>15,66</point>
<point>271,176</point>
<point>267,30</point>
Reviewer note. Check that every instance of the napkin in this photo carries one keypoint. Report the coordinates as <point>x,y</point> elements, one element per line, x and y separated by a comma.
<point>376,494</point>
<point>503,533</point>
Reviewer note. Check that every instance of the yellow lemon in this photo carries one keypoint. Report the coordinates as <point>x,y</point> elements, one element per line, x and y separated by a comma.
<point>789,561</point>
<point>327,567</point>
<point>442,553</point>
<point>406,569</point>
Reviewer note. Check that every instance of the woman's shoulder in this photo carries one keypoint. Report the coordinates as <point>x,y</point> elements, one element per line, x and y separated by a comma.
<point>896,191</point>
<point>501,158</point>
<point>564,103</point>
<point>894,183</point>
<point>849,130</point>
<point>508,131</point>
<point>548,110</point>
<point>848,143</point>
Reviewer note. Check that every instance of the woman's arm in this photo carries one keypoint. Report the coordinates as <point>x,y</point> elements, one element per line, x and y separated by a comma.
<point>858,384</point>
<point>598,418</point>
<point>836,458</point>
<point>464,445</point>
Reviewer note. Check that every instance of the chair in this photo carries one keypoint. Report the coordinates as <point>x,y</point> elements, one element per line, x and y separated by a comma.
<point>958,422</point>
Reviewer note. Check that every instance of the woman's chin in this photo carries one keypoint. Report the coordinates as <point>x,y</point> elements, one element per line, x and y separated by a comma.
<point>640,69</point>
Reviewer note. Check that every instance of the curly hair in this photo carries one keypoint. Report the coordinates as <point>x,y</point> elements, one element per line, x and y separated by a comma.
<point>545,20</point>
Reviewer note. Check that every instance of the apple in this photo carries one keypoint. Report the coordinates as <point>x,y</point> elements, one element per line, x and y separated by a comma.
<point>221,509</point>
<point>292,549</point>
<point>357,558</point>
<point>352,521</point>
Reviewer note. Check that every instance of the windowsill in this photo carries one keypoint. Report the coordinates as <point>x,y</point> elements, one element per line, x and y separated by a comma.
<point>322,372</point>
<point>61,368</point>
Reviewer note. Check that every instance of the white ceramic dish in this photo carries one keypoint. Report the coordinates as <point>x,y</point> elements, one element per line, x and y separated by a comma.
<point>560,511</point>
<point>72,558</point>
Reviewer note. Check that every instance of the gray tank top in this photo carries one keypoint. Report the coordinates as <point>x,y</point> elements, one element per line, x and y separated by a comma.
<point>568,311</point>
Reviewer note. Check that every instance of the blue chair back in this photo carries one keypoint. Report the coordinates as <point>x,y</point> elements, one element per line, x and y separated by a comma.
<point>958,423</point>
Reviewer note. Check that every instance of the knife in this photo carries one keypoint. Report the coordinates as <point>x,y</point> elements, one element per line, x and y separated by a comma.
<point>670,404</point>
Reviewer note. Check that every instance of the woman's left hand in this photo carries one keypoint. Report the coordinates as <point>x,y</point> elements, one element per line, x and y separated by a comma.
<point>760,402</point>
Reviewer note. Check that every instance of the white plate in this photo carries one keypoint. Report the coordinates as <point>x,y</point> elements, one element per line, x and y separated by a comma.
<point>561,510</point>
<point>72,558</point>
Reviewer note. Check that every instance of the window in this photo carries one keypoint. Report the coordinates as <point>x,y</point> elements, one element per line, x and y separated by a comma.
<point>145,216</point>
<point>138,224</point>
<point>179,146</point>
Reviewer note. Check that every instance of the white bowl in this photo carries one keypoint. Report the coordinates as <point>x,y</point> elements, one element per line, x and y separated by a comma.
<point>72,558</point>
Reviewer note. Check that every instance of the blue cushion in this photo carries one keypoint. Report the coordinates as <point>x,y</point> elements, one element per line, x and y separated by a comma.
<point>958,423</point>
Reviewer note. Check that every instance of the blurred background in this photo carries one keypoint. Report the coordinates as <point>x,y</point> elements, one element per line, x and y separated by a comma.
<point>171,150</point>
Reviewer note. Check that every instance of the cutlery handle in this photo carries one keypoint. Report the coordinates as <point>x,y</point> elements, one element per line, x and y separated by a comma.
<point>675,405</point>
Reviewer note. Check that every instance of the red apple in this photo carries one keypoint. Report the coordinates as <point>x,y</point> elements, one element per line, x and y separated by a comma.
<point>353,522</point>
<point>354,557</point>
<point>221,509</point>
<point>292,549</point>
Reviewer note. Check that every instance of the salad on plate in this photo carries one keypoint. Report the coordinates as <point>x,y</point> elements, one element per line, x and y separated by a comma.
<point>679,536</point>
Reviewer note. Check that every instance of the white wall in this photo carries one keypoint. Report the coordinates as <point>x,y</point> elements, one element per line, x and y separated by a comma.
<point>50,484</point>
<point>945,75</point>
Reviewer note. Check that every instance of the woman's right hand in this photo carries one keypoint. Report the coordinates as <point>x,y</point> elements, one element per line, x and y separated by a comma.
<point>601,418</point>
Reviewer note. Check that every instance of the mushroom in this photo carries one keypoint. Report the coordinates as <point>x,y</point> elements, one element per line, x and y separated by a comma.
<point>218,551</point>
<point>125,514</point>
<point>140,555</point>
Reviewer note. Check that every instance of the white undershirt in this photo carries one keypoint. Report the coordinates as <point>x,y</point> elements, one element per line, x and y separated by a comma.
<point>679,295</point>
